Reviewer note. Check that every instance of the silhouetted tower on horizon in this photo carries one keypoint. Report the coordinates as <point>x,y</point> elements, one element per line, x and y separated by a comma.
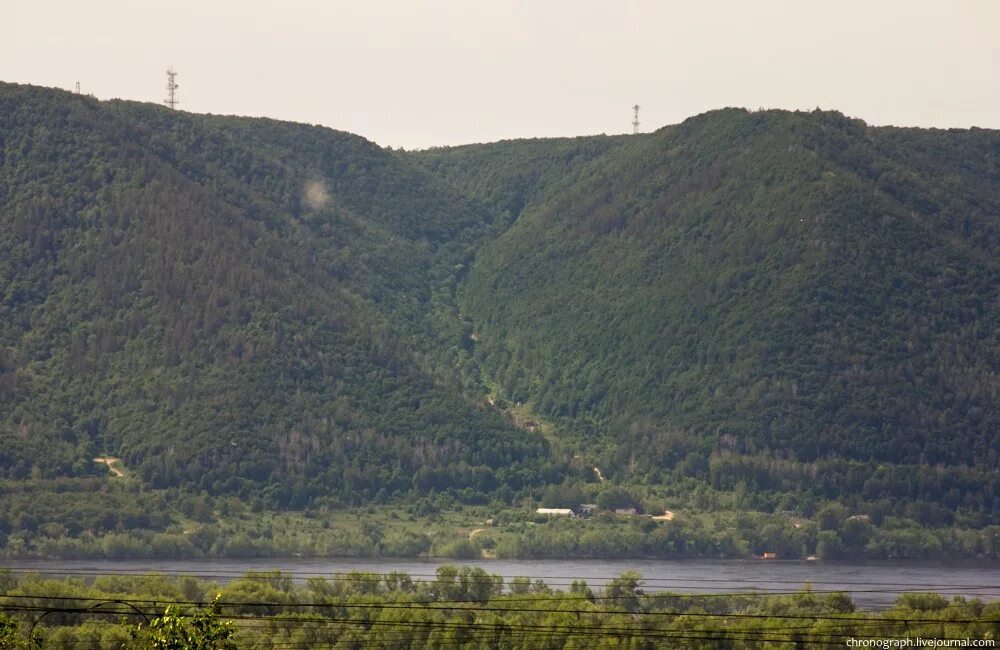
<point>635,119</point>
<point>171,99</point>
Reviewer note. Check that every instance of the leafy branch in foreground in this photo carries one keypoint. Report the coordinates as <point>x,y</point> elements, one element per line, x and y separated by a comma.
<point>200,629</point>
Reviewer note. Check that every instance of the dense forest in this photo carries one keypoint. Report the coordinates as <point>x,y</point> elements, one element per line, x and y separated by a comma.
<point>779,313</point>
<point>795,284</point>
<point>232,306</point>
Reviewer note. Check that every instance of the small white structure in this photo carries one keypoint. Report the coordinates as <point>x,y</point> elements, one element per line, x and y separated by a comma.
<point>564,512</point>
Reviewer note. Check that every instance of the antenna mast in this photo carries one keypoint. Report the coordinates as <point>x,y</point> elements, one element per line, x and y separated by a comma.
<point>635,120</point>
<point>171,100</point>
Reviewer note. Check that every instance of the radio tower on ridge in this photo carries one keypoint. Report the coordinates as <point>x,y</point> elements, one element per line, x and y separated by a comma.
<point>171,99</point>
<point>635,120</point>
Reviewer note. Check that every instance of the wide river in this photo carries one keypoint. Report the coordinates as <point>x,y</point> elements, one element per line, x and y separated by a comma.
<point>872,585</point>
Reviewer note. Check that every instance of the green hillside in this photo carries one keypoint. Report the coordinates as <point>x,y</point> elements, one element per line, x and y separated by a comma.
<point>790,284</point>
<point>508,176</point>
<point>233,304</point>
<point>788,313</point>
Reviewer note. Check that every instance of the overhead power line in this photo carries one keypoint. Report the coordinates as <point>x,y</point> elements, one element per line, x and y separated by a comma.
<point>481,606</point>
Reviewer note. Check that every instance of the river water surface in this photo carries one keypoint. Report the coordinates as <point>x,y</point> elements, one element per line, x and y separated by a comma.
<point>871,585</point>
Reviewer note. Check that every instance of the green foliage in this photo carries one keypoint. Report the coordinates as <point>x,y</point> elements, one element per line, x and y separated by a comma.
<point>170,294</point>
<point>784,284</point>
<point>10,634</point>
<point>511,175</point>
<point>177,630</point>
<point>580,588</point>
<point>613,497</point>
<point>465,584</point>
<point>461,549</point>
<point>624,591</point>
<point>468,605</point>
<point>763,312</point>
<point>922,602</point>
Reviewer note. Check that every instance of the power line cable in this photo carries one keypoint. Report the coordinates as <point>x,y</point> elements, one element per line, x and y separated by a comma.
<point>432,607</point>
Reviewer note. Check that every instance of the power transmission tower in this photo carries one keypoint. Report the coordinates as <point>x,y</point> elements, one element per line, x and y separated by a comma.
<point>171,99</point>
<point>635,120</point>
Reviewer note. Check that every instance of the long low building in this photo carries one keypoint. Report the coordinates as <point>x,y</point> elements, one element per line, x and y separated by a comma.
<point>555,511</point>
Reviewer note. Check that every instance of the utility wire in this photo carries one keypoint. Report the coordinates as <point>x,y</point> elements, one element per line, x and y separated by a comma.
<point>430,607</point>
<point>503,630</point>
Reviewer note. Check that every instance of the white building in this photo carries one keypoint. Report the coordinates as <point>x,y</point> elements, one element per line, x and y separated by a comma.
<point>565,512</point>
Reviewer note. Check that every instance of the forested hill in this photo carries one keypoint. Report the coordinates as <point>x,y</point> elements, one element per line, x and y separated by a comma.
<point>255,307</point>
<point>233,303</point>
<point>796,284</point>
<point>511,175</point>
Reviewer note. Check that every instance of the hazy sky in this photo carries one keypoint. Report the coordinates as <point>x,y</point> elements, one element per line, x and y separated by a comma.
<point>416,74</point>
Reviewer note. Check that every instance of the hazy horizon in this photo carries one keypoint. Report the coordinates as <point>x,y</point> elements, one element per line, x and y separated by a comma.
<point>448,73</point>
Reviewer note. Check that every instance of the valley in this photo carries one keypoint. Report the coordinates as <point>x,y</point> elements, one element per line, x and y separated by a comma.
<point>235,337</point>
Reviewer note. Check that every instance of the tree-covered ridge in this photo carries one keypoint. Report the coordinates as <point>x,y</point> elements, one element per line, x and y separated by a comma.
<point>724,310</point>
<point>172,293</point>
<point>508,176</point>
<point>797,283</point>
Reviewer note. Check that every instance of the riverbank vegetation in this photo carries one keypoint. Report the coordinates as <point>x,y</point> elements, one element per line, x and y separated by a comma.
<point>455,606</point>
<point>116,519</point>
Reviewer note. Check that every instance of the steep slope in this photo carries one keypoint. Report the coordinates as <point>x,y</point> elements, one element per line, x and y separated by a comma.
<point>232,304</point>
<point>510,175</point>
<point>255,307</point>
<point>798,284</point>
